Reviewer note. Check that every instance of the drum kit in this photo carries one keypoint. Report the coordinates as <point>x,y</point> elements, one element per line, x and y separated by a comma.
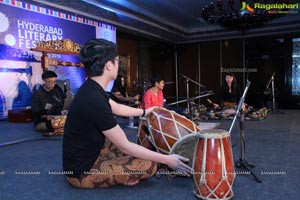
<point>209,151</point>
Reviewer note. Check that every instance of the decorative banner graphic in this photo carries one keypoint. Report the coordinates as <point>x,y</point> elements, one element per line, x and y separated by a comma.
<point>296,67</point>
<point>22,26</point>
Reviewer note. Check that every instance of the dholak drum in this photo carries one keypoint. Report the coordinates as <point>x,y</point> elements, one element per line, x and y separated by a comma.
<point>143,137</point>
<point>212,162</point>
<point>167,127</point>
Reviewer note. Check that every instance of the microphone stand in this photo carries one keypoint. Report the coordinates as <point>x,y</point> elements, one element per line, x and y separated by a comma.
<point>191,99</point>
<point>274,110</point>
<point>65,89</point>
<point>242,163</point>
<point>269,82</point>
<point>145,86</point>
<point>189,111</point>
<point>187,95</point>
<point>192,80</point>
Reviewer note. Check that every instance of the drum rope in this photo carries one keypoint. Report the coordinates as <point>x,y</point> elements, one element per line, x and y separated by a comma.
<point>224,172</point>
<point>172,119</point>
<point>160,131</point>
<point>194,157</point>
<point>203,173</point>
<point>203,168</point>
<point>150,137</point>
<point>212,192</point>
<point>176,126</point>
<point>173,113</point>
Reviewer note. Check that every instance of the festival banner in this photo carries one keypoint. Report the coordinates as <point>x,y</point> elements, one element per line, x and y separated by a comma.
<point>22,26</point>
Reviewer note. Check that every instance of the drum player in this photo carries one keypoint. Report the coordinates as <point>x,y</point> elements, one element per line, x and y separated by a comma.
<point>96,150</point>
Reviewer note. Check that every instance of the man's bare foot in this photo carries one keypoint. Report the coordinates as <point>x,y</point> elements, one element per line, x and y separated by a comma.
<point>132,183</point>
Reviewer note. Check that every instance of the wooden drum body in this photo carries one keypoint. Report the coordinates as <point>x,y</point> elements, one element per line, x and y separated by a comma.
<point>209,151</point>
<point>143,137</point>
<point>167,127</point>
<point>212,161</point>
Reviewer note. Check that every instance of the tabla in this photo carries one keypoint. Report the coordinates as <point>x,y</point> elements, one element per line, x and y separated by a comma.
<point>212,161</point>
<point>167,127</point>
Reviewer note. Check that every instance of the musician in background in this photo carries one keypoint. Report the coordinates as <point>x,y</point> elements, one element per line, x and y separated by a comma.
<point>120,95</point>
<point>230,93</point>
<point>47,100</point>
<point>154,95</point>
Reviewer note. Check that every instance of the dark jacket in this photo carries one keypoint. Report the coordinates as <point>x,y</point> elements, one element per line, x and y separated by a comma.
<point>41,97</point>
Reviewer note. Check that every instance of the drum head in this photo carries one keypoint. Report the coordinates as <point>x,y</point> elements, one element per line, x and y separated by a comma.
<point>186,146</point>
<point>214,133</point>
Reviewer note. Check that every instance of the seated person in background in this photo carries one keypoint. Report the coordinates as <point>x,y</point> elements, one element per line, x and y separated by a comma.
<point>46,101</point>
<point>230,92</point>
<point>119,93</point>
<point>154,95</point>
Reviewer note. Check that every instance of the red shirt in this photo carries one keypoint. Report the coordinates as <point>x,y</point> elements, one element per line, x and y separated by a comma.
<point>150,99</point>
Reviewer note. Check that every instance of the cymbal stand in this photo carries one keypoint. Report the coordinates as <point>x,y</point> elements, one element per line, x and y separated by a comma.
<point>242,163</point>
<point>191,99</point>
<point>145,86</point>
<point>188,93</point>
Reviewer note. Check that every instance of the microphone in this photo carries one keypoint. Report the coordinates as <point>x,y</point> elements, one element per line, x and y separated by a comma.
<point>65,88</point>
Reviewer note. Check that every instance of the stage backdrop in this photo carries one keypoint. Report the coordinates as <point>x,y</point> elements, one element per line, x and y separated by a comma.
<point>22,25</point>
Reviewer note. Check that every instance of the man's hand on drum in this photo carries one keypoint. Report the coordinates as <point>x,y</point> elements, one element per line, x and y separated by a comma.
<point>179,163</point>
<point>149,110</point>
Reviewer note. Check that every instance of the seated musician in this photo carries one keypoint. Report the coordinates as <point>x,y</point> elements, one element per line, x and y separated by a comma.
<point>120,95</point>
<point>154,95</point>
<point>46,101</point>
<point>96,151</point>
<point>230,93</point>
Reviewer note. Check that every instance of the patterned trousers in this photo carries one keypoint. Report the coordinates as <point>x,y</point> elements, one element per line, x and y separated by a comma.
<point>113,167</point>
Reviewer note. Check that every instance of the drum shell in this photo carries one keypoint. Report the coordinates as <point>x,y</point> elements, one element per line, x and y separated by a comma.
<point>167,127</point>
<point>213,166</point>
<point>143,134</point>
